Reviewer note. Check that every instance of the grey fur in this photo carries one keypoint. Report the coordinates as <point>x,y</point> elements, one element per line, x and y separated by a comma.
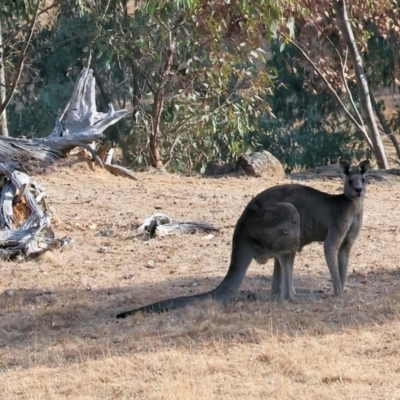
<point>279,222</point>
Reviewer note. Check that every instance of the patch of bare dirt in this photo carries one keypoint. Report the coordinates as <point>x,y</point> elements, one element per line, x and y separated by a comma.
<point>59,339</point>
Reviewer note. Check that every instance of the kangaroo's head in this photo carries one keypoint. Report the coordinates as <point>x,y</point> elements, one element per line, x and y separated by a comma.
<point>355,178</point>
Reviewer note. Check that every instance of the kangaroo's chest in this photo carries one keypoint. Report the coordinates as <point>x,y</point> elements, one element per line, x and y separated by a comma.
<point>354,227</point>
<point>317,230</point>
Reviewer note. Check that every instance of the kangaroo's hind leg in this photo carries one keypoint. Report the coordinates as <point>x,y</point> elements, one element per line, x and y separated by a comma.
<point>287,291</point>
<point>298,291</point>
<point>276,279</point>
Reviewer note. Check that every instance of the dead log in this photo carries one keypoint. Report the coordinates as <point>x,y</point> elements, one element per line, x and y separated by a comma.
<point>120,171</point>
<point>25,217</point>
<point>162,225</point>
<point>79,126</point>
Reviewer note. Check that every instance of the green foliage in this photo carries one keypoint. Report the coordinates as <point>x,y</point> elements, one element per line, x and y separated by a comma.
<point>308,145</point>
<point>207,108</point>
<point>381,58</point>
<point>51,75</point>
<point>18,9</point>
<point>222,93</point>
<point>305,129</point>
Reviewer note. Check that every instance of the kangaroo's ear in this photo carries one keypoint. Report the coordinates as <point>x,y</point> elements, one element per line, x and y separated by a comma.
<point>364,166</point>
<point>345,167</point>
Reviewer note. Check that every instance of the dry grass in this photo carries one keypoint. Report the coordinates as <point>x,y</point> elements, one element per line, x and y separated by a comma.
<point>59,341</point>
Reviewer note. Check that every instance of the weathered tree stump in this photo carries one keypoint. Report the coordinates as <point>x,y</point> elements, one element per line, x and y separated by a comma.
<point>25,217</point>
<point>79,126</point>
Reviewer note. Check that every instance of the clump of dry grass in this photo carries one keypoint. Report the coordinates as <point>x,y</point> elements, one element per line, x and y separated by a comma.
<point>58,338</point>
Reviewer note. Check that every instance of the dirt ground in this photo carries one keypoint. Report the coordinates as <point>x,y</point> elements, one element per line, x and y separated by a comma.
<point>59,339</point>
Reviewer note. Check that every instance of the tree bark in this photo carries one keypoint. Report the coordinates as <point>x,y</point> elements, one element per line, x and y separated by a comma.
<point>20,63</point>
<point>25,217</point>
<point>366,106</point>
<point>154,139</point>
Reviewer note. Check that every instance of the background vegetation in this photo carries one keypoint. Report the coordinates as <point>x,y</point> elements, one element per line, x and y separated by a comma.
<point>206,78</point>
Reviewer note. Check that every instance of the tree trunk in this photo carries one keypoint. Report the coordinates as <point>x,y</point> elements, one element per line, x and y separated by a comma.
<point>154,139</point>
<point>366,106</point>
<point>158,104</point>
<point>3,116</point>
<point>18,67</point>
<point>80,125</point>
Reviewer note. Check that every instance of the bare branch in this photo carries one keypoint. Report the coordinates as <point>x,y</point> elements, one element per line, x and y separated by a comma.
<point>343,64</point>
<point>15,34</point>
<point>146,78</point>
<point>333,91</point>
<point>168,64</point>
<point>342,70</point>
<point>20,63</point>
<point>48,45</point>
<point>346,29</point>
<point>194,122</point>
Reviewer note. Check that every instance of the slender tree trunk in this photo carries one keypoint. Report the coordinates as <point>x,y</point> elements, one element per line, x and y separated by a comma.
<point>366,106</point>
<point>137,92</point>
<point>21,60</point>
<point>154,145</point>
<point>3,116</point>
<point>158,105</point>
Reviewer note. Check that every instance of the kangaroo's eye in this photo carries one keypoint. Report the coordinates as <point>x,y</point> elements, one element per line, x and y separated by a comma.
<point>363,180</point>
<point>350,181</point>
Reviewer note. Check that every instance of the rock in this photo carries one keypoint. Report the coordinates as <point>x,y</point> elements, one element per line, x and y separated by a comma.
<point>260,164</point>
<point>332,170</point>
<point>150,264</point>
<point>218,167</point>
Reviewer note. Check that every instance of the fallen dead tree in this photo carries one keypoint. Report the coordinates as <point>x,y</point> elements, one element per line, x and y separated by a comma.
<point>80,125</point>
<point>162,225</point>
<point>25,217</point>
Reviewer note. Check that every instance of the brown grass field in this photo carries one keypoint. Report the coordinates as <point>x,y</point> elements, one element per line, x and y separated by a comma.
<point>58,339</point>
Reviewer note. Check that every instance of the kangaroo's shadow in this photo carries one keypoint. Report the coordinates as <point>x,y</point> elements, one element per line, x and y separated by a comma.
<point>67,323</point>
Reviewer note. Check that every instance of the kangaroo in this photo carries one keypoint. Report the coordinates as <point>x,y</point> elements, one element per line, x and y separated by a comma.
<point>279,222</point>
